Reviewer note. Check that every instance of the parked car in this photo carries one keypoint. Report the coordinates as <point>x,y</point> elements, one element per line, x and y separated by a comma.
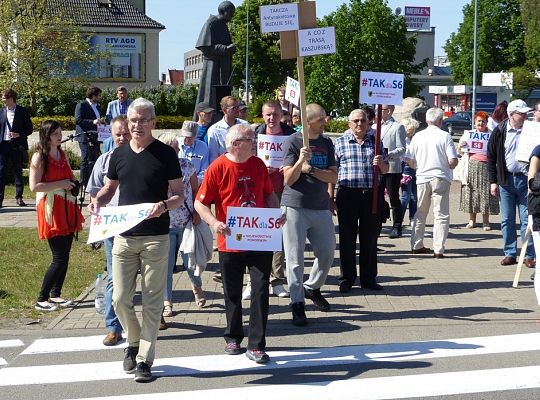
<point>457,123</point>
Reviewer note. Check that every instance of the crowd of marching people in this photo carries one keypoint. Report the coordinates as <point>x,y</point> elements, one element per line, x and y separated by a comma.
<point>193,176</point>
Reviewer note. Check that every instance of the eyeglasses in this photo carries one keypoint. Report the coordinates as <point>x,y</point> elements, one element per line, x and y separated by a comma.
<point>232,107</point>
<point>141,121</point>
<point>357,121</point>
<point>481,121</point>
<point>245,140</point>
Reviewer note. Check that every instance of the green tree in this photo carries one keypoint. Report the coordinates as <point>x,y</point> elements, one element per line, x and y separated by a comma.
<point>530,15</point>
<point>39,47</point>
<point>369,37</point>
<point>500,36</point>
<point>267,71</point>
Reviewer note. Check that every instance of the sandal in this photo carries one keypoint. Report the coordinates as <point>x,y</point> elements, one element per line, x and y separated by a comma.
<point>199,296</point>
<point>486,227</point>
<point>470,225</point>
<point>167,310</point>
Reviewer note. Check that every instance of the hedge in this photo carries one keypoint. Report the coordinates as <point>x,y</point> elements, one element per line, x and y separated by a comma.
<point>68,123</point>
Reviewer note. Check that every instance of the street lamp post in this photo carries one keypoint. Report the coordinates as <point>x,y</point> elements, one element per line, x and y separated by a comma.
<point>247,51</point>
<point>475,55</point>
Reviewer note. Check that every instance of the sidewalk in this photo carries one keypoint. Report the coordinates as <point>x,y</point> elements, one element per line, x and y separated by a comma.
<point>467,285</point>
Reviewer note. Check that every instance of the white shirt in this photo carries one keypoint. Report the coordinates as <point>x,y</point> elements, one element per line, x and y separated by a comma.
<point>10,116</point>
<point>432,149</point>
<point>94,107</point>
<point>216,138</point>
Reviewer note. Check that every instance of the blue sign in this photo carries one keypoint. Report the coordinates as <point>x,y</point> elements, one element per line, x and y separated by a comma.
<point>486,102</point>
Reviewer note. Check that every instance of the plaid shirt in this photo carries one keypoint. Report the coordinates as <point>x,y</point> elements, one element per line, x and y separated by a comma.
<point>355,161</point>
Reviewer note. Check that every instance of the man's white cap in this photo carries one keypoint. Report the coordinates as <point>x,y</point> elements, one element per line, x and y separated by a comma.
<point>518,106</point>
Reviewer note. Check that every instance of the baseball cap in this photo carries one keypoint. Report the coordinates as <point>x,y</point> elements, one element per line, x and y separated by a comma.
<point>204,107</point>
<point>518,106</point>
<point>189,129</point>
<point>242,105</point>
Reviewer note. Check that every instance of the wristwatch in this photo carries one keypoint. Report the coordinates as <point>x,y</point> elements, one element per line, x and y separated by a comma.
<point>311,170</point>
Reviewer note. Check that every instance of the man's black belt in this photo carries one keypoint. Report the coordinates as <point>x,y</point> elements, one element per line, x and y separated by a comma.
<point>361,190</point>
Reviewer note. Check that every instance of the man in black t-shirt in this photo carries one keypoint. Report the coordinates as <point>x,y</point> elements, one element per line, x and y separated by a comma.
<point>143,171</point>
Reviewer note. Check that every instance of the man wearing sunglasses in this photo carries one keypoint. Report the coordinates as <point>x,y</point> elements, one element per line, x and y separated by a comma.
<point>217,132</point>
<point>356,163</point>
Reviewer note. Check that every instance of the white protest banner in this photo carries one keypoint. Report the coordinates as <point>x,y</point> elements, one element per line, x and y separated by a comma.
<point>381,88</point>
<point>279,18</point>
<point>312,42</point>
<point>104,132</point>
<point>254,229</point>
<point>270,149</point>
<point>477,142</point>
<point>113,221</point>
<point>292,91</point>
<point>529,139</point>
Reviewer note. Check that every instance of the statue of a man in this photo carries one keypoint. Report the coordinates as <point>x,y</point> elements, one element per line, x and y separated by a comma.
<point>217,48</point>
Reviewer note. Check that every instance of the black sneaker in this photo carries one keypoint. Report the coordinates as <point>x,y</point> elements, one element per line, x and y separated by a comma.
<point>142,372</point>
<point>395,233</point>
<point>345,286</point>
<point>130,359</point>
<point>232,348</point>
<point>259,356</point>
<point>298,314</point>
<point>317,298</point>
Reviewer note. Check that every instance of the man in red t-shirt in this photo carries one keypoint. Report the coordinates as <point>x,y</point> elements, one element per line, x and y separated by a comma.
<point>239,179</point>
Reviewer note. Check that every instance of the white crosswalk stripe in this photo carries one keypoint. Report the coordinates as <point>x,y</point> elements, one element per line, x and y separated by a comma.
<point>404,385</point>
<point>11,343</point>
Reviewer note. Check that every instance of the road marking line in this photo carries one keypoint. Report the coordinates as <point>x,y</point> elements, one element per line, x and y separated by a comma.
<point>69,344</point>
<point>11,343</point>
<point>180,366</point>
<point>3,361</point>
<point>390,387</point>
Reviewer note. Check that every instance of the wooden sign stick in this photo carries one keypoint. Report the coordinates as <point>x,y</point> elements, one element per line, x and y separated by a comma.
<point>375,202</point>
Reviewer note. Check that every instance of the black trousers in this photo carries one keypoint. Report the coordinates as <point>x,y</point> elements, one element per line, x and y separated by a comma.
<point>54,277</point>
<point>13,153</point>
<point>89,154</point>
<point>392,182</point>
<point>356,220</point>
<point>232,267</point>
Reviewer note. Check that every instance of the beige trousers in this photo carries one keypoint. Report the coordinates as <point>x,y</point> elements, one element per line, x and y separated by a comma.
<point>151,254</point>
<point>438,192</point>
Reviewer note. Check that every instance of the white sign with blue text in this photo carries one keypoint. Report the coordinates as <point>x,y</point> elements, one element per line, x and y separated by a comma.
<point>292,91</point>
<point>113,221</point>
<point>279,18</point>
<point>381,88</point>
<point>252,228</point>
<point>477,142</point>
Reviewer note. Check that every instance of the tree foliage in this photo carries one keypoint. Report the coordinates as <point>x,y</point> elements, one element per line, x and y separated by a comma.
<point>38,49</point>
<point>530,15</point>
<point>500,36</point>
<point>369,37</point>
<point>267,71</point>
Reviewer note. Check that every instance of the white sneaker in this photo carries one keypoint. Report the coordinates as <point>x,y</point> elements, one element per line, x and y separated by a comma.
<point>246,294</point>
<point>280,291</point>
<point>44,306</point>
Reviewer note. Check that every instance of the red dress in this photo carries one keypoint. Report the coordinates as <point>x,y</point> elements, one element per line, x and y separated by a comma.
<point>62,220</point>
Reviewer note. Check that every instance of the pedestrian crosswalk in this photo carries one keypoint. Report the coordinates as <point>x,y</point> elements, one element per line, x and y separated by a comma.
<point>409,383</point>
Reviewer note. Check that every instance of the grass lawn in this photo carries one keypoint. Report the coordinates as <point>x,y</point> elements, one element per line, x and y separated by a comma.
<point>23,262</point>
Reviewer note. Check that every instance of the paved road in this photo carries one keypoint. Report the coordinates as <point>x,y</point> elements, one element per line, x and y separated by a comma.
<point>451,328</point>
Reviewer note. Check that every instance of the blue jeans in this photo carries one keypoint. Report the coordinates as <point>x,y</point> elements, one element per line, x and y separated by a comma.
<point>175,239</point>
<point>111,320</point>
<point>512,195</point>
<point>409,194</point>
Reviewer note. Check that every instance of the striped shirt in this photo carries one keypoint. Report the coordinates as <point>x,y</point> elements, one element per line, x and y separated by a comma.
<point>355,161</point>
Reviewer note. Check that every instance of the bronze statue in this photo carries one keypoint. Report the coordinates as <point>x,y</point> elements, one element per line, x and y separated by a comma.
<point>217,48</point>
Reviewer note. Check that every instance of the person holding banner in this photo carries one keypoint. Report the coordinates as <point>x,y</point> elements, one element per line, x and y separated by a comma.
<point>121,136</point>
<point>307,172</point>
<point>58,216</point>
<point>272,113</point>
<point>356,161</point>
<point>239,179</point>
<point>145,170</point>
<point>508,181</point>
<point>475,193</point>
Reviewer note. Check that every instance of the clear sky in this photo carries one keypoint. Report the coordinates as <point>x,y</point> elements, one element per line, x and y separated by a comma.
<point>184,19</point>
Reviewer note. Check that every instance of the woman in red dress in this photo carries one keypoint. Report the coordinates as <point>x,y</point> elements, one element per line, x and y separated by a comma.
<point>57,212</point>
